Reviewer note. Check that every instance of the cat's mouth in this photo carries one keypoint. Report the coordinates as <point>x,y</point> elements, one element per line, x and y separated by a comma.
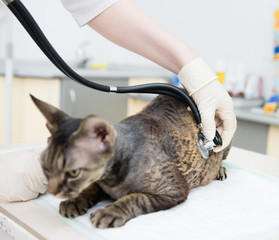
<point>63,194</point>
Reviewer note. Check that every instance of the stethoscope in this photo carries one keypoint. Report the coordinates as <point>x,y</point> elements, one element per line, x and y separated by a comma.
<point>30,25</point>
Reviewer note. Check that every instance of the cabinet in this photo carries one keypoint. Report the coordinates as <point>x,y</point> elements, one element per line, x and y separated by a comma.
<point>28,124</point>
<point>79,101</point>
<point>251,136</point>
<point>272,141</point>
<point>257,137</point>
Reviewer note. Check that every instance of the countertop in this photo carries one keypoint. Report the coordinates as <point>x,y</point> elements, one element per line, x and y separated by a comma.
<point>257,115</point>
<point>48,70</point>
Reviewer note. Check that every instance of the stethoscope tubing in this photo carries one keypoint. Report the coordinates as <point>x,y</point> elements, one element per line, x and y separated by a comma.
<point>30,25</point>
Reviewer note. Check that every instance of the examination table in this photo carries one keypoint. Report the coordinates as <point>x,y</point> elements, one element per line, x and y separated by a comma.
<point>244,206</point>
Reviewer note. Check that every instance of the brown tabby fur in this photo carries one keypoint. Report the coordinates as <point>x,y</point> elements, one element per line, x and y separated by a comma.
<point>146,163</point>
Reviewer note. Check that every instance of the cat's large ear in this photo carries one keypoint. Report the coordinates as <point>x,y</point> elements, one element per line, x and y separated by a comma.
<point>53,115</point>
<point>94,135</point>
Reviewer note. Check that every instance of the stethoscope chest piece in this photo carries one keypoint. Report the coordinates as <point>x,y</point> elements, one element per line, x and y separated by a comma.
<point>205,146</point>
<point>204,151</point>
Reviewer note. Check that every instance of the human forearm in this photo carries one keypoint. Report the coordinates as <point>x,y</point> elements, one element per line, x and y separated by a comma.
<point>128,26</point>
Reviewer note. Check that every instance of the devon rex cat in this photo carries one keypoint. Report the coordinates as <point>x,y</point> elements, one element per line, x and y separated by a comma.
<point>146,163</point>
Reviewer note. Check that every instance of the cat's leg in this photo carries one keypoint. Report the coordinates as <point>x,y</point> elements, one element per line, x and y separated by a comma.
<point>130,206</point>
<point>79,205</point>
<point>221,175</point>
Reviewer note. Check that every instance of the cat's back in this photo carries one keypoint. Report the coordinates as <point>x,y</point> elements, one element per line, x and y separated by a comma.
<point>169,109</point>
<point>167,114</point>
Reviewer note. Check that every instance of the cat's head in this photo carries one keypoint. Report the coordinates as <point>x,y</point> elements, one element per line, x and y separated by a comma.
<point>77,151</point>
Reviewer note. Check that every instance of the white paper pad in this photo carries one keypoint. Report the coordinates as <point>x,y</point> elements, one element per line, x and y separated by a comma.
<point>244,206</point>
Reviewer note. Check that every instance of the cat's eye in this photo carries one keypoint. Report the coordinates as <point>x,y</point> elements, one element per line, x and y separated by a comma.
<point>73,173</point>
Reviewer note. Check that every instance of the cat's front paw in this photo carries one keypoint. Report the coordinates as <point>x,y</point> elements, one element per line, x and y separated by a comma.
<point>74,207</point>
<point>108,218</point>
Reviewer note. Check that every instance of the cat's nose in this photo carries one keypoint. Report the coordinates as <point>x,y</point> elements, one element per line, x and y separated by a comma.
<point>54,186</point>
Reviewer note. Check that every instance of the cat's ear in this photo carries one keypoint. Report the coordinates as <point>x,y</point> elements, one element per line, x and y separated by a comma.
<point>53,115</point>
<point>94,135</point>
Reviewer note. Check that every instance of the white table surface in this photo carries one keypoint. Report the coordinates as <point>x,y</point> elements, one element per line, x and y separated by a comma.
<point>39,219</point>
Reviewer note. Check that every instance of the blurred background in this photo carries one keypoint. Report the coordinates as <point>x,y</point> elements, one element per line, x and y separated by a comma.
<point>238,39</point>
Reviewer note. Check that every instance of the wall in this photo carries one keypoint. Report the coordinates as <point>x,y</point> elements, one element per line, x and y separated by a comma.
<point>237,31</point>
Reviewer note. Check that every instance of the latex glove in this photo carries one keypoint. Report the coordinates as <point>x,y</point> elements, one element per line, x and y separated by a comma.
<point>21,176</point>
<point>214,103</point>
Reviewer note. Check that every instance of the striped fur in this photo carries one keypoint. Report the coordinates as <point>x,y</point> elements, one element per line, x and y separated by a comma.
<point>146,163</point>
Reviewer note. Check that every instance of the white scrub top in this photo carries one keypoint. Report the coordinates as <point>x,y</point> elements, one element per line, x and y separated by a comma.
<point>84,10</point>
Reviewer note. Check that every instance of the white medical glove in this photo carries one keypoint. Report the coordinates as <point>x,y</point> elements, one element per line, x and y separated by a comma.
<point>214,103</point>
<point>21,176</point>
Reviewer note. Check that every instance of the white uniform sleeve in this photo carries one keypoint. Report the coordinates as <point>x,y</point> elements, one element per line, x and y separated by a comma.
<point>84,10</point>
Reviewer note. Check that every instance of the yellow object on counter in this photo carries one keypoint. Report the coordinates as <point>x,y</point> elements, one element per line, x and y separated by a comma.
<point>97,65</point>
<point>270,107</point>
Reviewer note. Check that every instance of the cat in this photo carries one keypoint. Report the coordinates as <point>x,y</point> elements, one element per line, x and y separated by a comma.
<point>146,163</point>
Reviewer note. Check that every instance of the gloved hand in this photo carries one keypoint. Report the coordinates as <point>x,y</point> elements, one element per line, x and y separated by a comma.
<point>21,176</point>
<point>214,103</point>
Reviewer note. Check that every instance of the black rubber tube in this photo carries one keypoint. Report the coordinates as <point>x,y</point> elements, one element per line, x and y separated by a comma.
<point>34,36</point>
<point>30,25</point>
